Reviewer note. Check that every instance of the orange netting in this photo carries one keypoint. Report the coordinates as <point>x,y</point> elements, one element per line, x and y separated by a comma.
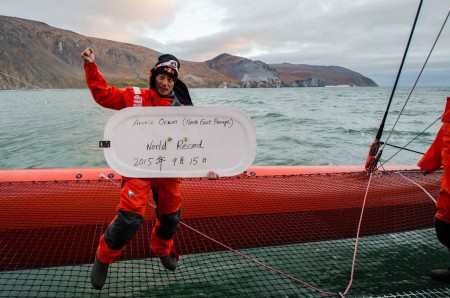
<point>303,226</point>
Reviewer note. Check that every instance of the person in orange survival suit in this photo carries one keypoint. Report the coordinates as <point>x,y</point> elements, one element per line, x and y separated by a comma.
<point>165,90</point>
<point>436,156</point>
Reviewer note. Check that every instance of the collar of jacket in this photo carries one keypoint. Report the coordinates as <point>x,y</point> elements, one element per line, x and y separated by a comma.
<point>156,100</point>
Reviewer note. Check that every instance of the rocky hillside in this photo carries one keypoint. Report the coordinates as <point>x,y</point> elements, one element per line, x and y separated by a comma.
<point>36,54</point>
<point>245,72</point>
<point>295,75</point>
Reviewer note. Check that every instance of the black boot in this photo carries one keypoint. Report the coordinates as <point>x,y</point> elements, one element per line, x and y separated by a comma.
<point>98,274</point>
<point>440,275</point>
<point>169,262</point>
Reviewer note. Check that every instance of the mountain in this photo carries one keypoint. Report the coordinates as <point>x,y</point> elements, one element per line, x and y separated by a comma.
<point>245,72</point>
<point>293,74</point>
<point>35,54</point>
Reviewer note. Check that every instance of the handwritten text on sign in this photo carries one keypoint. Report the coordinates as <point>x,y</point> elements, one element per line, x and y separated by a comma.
<point>173,144</point>
<point>162,148</point>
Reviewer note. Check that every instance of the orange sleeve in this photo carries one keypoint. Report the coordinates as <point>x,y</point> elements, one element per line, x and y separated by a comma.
<point>432,160</point>
<point>106,96</point>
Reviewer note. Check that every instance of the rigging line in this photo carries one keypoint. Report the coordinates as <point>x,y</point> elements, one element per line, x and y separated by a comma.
<point>380,130</point>
<point>423,177</point>
<point>258,262</point>
<point>418,171</point>
<point>241,254</point>
<point>355,251</point>
<point>404,147</point>
<point>19,80</point>
<point>415,83</point>
<point>413,182</point>
<point>375,152</point>
<point>110,180</point>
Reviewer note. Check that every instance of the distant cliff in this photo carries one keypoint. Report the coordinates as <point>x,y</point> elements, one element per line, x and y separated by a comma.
<point>36,54</point>
<point>246,73</point>
<point>292,74</point>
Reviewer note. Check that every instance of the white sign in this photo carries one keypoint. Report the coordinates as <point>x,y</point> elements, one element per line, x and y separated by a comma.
<point>151,142</point>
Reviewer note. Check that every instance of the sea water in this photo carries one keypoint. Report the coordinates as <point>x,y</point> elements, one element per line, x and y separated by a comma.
<point>294,126</point>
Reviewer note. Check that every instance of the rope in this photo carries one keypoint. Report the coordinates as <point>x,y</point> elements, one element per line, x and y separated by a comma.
<point>413,88</point>
<point>380,130</point>
<point>109,179</point>
<point>418,185</point>
<point>352,273</point>
<point>404,147</point>
<point>417,79</point>
<point>19,80</point>
<point>258,262</point>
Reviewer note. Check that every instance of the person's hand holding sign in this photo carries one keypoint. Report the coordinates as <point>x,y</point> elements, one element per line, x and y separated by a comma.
<point>212,175</point>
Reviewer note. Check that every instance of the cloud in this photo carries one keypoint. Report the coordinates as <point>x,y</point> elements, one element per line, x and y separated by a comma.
<point>367,36</point>
<point>109,19</point>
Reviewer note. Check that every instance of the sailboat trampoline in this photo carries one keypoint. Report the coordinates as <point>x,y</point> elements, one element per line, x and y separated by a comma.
<point>271,232</point>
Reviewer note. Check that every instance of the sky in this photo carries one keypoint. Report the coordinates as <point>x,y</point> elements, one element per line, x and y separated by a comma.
<point>366,36</point>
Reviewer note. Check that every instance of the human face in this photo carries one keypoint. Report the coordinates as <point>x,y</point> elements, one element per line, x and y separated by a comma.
<point>164,84</point>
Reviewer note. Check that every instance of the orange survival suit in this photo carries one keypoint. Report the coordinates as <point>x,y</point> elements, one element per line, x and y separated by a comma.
<point>135,191</point>
<point>439,155</point>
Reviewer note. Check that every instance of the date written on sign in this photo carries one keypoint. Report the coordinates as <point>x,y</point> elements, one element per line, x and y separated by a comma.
<point>161,162</point>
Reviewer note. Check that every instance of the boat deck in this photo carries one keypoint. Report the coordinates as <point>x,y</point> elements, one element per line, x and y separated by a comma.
<point>254,236</point>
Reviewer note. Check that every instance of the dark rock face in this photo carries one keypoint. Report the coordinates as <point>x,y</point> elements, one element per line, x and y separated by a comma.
<point>34,54</point>
<point>247,73</point>
<point>310,82</point>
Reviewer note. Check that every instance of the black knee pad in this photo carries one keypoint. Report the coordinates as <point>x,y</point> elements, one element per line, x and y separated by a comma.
<point>123,229</point>
<point>442,232</point>
<point>169,224</point>
<point>155,194</point>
